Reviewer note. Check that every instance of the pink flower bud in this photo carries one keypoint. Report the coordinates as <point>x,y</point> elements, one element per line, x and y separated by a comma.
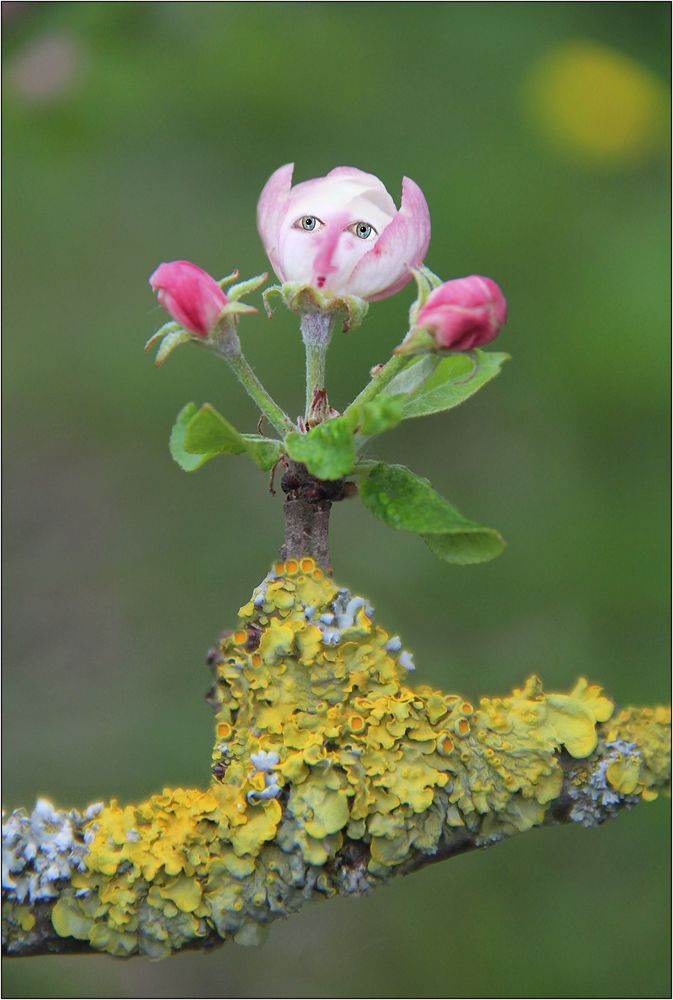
<point>189,295</point>
<point>342,233</point>
<point>464,313</point>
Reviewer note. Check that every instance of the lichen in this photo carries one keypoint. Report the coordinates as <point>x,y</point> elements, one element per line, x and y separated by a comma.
<point>330,774</point>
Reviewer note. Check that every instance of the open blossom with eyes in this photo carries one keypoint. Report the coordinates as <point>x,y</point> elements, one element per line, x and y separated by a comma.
<point>464,313</point>
<point>190,295</point>
<point>342,233</point>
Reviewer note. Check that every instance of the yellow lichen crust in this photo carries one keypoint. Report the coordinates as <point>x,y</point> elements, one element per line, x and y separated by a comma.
<point>331,773</point>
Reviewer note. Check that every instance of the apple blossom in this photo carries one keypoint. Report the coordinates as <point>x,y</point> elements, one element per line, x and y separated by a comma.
<point>464,313</point>
<point>342,233</point>
<point>190,295</point>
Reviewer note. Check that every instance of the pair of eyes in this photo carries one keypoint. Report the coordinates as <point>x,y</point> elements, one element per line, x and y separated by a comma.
<point>312,224</point>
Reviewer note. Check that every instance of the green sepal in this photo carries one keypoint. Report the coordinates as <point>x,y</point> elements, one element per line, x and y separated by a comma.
<point>246,287</point>
<point>273,291</point>
<point>327,450</point>
<point>169,344</point>
<point>408,502</point>
<point>236,309</point>
<point>227,280</point>
<point>417,341</point>
<point>169,327</point>
<point>426,282</point>
<point>302,298</point>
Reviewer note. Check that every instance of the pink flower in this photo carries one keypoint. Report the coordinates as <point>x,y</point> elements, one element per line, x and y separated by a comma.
<point>342,233</point>
<point>189,295</point>
<point>464,313</point>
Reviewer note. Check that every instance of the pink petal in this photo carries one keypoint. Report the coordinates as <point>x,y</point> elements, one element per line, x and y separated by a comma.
<point>271,210</point>
<point>464,313</point>
<point>189,294</point>
<point>402,245</point>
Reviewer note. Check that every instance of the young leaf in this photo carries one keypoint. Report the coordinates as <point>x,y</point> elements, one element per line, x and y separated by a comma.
<point>418,370</point>
<point>208,433</point>
<point>189,461</point>
<point>264,452</point>
<point>200,434</point>
<point>379,414</point>
<point>453,380</point>
<point>327,451</point>
<point>466,547</point>
<point>409,503</point>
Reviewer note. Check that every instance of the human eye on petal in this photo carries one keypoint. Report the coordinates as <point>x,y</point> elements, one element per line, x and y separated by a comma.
<point>363,230</point>
<point>309,223</point>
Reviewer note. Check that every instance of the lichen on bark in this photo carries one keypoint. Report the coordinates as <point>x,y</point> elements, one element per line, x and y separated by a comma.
<point>331,774</point>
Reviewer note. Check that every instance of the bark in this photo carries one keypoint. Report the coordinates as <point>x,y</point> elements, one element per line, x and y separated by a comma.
<point>308,503</point>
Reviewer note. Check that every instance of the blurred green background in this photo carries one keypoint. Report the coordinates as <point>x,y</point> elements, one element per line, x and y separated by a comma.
<point>142,132</point>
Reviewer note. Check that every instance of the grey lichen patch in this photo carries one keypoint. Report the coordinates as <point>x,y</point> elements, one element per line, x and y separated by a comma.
<point>41,852</point>
<point>42,849</point>
<point>594,798</point>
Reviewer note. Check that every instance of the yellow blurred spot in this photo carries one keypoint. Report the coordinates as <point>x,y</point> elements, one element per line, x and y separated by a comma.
<point>596,104</point>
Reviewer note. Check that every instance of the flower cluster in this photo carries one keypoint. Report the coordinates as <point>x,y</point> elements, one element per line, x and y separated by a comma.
<point>337,243</point>
<point>342,235</point>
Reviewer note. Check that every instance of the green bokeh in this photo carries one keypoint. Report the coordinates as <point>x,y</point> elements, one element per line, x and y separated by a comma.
<point>121,569</point>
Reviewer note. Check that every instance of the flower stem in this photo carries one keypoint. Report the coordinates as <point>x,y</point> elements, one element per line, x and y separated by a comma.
<point>379,382</point>
<point>316,332</point>
<point>230,350</point>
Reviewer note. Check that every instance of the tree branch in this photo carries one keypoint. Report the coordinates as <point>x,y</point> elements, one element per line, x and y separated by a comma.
<point>331,775</point>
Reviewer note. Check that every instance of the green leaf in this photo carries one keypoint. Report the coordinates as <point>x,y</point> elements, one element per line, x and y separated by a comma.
<point>264,452</point>
<point>200,434</point>
<point>430,388</point>
<point>208,433</point>
<point>465,548</point>
<point>186,460</point>
<point>407,502</point>
<point>417,371</point>
<point>379,414</point>
<point>327,451</point>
